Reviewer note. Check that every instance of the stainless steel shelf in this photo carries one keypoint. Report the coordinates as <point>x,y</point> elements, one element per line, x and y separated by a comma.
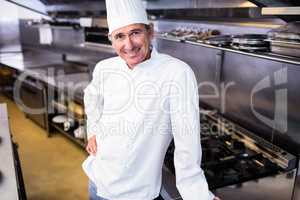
<point>264,55</point>
<point>69,134</point>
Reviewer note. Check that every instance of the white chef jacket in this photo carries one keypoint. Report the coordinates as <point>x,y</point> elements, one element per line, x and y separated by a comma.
<point>134,115</point>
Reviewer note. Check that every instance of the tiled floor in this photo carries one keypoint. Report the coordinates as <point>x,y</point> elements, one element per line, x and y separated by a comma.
<point>51,166</point>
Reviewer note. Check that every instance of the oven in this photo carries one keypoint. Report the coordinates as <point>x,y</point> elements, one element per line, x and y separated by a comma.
<point>34,99</point>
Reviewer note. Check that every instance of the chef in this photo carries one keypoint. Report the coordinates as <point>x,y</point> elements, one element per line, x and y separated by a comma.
<point>135,104</point>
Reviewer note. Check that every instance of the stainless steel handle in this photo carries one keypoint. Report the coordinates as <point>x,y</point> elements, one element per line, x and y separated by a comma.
<point>218,67</point>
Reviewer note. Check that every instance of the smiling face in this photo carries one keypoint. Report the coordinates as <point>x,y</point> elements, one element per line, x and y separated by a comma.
<point>132,43</point>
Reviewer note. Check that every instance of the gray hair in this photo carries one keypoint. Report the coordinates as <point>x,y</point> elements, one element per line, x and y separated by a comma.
<point>148,28</point>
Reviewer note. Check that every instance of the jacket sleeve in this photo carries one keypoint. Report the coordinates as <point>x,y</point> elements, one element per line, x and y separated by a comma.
<point>184,112</point>
<point>93,103</point>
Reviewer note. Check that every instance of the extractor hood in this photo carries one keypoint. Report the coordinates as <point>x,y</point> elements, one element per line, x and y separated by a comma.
<point>88,8</point>
<point>207,8</point>
<point>288,10</point>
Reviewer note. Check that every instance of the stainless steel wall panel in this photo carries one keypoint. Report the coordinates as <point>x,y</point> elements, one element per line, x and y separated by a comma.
<point>203,62</point>
<point>293,109</point>
<point>241,99</point>
<point>264,98</point>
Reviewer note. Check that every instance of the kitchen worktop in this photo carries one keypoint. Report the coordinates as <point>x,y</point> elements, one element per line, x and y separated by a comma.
<point>29,58</point>
<point>50,68</point>
<point>8,182</point>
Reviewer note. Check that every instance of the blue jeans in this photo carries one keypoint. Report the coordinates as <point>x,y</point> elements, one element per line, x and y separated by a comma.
<point>93,192</point>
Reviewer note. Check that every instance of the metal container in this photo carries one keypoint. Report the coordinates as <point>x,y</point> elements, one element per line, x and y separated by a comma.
<point>285,47</point>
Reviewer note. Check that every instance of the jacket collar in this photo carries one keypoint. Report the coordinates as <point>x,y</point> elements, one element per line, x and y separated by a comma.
<point>145,63</point>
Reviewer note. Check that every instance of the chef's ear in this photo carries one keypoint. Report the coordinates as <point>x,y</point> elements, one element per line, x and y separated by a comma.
<point>150,29</point>
<point>151,25</point>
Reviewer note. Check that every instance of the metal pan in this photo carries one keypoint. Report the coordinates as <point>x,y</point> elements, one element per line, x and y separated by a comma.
<point>250,39</point>
<point>222,40</point>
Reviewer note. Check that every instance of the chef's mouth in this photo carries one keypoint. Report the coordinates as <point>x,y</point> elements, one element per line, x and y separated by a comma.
<point>133,53</point>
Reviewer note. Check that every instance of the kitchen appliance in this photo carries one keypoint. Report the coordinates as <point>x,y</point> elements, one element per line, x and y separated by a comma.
<point>233,157</point>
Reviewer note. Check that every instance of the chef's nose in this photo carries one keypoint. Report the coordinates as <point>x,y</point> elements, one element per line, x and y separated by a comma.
<point>128,43</point>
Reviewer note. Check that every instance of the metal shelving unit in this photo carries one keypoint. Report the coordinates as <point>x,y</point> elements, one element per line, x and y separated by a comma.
<point>62,108</point>
<point>69,134</point>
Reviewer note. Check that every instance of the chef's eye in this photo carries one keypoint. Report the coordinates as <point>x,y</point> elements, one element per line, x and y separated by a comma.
<point>136,33</point>
<point>119,37</point>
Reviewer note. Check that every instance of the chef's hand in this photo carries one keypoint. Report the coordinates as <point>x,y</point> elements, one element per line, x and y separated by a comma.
<point>217,198</point>
<point>91,146</point>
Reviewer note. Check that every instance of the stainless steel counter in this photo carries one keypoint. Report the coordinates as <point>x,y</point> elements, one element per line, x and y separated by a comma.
<point>29,58</point>
<point>8,184</point>
<point>50,68</point>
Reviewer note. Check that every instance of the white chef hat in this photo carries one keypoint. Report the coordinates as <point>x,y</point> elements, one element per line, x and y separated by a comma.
<point>121,13</point>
